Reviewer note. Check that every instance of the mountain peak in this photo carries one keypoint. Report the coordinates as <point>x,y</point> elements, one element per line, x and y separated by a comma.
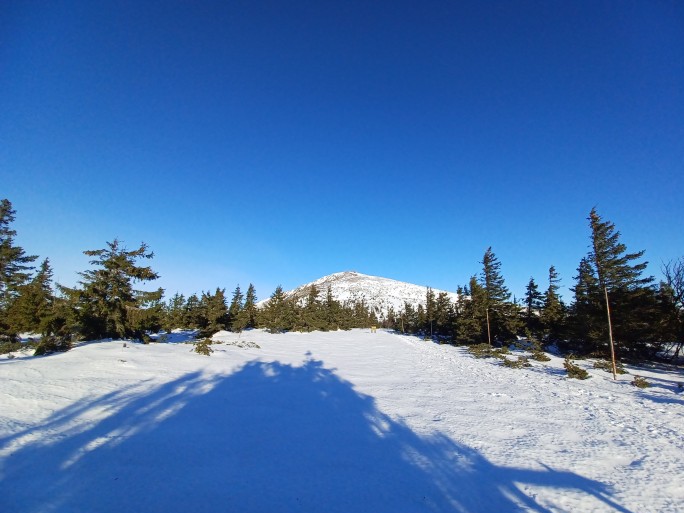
<point>380,294</point>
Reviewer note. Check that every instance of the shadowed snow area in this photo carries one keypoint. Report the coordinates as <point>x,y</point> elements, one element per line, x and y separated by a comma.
<point>269,437</point>
<point>165,430</point>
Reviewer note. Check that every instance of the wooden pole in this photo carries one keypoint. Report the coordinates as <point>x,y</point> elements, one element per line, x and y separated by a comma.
<point>489,333</point>
<point>610,335</point>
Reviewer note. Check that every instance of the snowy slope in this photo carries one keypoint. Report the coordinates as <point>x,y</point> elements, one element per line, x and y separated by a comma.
<point>334,422</point>
<point>376,292</point>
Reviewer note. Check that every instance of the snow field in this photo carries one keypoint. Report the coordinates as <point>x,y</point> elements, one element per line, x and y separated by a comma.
<point>340,421</point>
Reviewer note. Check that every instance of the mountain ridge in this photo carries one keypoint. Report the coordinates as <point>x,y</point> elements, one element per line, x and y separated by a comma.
<point>378,293</point>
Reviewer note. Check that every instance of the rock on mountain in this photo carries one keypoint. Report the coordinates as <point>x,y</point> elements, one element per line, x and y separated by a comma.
<point>378,293</point>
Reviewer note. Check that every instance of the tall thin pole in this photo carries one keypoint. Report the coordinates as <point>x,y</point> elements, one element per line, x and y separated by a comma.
<point>489,333</point>
<point>610,335</point>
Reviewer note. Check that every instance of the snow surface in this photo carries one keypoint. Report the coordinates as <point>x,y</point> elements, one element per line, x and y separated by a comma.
<point>378,293</point>
<point>331,422</point>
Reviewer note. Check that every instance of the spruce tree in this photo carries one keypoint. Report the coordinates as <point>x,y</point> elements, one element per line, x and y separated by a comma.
<point>175,313</point>
<point>192,313</point>
<point>107,304</point>
<point>533,305</point>
<point>361,315</point>
<point>311,317</point>
<point>250,307</point>
<point>408,318</point>
<point>587,318</point>
<point>278,314</point>
<point>628,296</point>
<point>215,312</point>
<point>471,321</point>
<point>430,312</point>
<point>501,315</point>
<point>15,268</point>
<point>332,311</point>
<point>443,315</point>
<point>247,315</point>
<point>32,310</point>
<point>235,308</point>
<point>421,319</point>
<point>553,310</point>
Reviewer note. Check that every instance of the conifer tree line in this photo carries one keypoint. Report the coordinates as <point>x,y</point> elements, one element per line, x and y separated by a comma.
<point>213,312</point>
<point>645,317</point>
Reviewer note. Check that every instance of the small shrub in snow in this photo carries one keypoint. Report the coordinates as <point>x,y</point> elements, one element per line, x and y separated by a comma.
<point>52,344</point>
<point>640,382</point>
<point>608,366</point>
<point>521,362</point>
<point>203,347</point>
<point>500,353</point>
<point>480,350</point>
<point>487,351</point>
<point>244,344</point>
<point>9,346</point>
<point>574,371</point>
<point>540,356</point>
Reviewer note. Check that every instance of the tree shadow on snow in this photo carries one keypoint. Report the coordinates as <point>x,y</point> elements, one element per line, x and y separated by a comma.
<point>269,437</point>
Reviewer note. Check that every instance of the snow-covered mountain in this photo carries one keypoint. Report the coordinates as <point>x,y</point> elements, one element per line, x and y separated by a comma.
<point>378,293</point>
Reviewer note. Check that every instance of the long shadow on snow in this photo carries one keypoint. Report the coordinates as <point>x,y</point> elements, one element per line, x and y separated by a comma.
<point>270,437</point>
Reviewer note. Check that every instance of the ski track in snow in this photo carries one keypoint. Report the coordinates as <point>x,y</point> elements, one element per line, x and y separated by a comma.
<point>340,421</point>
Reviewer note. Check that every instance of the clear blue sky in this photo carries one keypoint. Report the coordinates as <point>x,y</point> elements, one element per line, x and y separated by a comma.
<point>276,142</point>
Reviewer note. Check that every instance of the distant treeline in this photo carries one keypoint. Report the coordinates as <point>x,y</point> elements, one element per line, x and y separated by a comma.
<point>611,297</point>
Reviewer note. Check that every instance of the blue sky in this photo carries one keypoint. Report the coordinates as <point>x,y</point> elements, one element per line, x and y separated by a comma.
<point>276,142</point>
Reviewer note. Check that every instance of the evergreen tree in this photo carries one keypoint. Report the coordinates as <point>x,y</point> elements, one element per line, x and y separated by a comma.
<point>332,311</point>
<point>247,315</point>
<point>421,319</point>
<point>193,316</point>
<point>391,322</point>
<point>15,268</point>
<point>361,316</point>
<point>471,322</point>
<point>631,296</point>
<point>32,309</point>
<point>215,312</point>
<point>552,315</point>
<point>149,317</point>
<point>502,316</point>
<point>250,306</point>
<point>235,308</point>
<point>430,312</point>
<point>408,318</point>
<point>175,313</point>
<point>278,313</point>
<point>587,319</point>
<point>107,302</point>
<point>533,306</point>
<point>310,315</point>
<point>444,315</point>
